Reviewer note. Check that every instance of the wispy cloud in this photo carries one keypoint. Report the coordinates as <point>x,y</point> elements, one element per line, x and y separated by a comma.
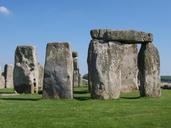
<point>4,10</point>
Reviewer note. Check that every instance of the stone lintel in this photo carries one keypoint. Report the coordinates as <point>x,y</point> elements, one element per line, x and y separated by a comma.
<point>124,36</point>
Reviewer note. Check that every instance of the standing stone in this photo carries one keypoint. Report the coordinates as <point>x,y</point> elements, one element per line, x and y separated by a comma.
<point>76,78</point>
<point>8,72</point>
<point>41,76</point>
<point>104,61</point>
<point>76,74</point>
<point>26,70</point>
<point>99,65</point>
<point>90,64</point>
<point>84,82</point>
<point>149,70</point>
<point>129,68</point>
<point>2,80</point>
<point>58,72</point>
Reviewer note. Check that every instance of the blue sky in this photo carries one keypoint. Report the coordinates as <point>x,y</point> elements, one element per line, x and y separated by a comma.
<point>38,22</point>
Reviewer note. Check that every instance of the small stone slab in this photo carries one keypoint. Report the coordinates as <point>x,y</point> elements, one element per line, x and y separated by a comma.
<point>124,36</point>
<point>8,72</point>
<point>2,80</point>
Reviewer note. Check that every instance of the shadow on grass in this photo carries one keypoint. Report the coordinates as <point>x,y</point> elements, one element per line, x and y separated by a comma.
<point>21,99</point>
<point>81,95</point>
<point>81,92</point>
<point>82,98</point>
<point>124,97</point>
<point>6,92</point>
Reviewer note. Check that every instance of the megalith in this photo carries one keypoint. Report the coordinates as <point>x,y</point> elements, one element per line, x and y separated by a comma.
<point>104,61</point>
<point>41,76</point>
<point>58,71</point>
<point>8,73</point>
<point>112,61</point>
<point>26,70</point>
<point>76,73</point>
<point>149,70</point>
<point>129,68</point>
<point>2,80</point>
<point>84,82</point>
<point>125,36</point>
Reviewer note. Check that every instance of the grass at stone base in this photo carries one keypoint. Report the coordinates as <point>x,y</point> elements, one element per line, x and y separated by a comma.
<point>130,111</point>
<point>7,91</point>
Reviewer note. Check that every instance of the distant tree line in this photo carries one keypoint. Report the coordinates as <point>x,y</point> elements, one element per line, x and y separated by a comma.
<point>166,78</point>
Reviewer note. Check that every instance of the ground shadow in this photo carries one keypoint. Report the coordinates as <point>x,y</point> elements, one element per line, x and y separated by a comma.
<point>81,92</point>
<point>82,95</point>
<point>20,99</point>
<point>83,98</point>
<point>124,97</point>
<point>6,92</point>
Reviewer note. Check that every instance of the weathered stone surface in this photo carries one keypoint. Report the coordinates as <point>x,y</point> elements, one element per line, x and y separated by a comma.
<point>58,72</point>
<point>104,59</point>
<point>75,60</point>
<point>129,68</point>
<point>26,70</point>
<point>84,82</point>
<point>124,36</point>
<point>76,74</point>
<point>8,72</point>
<point>76,78</point>
<point>149,70</point>
<point>41,76</point>
<point>2,80</point>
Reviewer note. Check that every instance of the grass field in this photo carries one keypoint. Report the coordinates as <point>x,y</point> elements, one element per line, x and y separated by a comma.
<point>130,111</point>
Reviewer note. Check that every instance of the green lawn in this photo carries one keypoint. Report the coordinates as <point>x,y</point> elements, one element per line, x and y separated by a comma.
<point>130,111</point>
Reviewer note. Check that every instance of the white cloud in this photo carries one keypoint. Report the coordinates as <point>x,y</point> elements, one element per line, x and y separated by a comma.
<point>4,10</point>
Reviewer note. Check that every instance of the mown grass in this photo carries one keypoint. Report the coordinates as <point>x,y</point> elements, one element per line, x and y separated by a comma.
<point>6,91</point>
<point>130,111</point>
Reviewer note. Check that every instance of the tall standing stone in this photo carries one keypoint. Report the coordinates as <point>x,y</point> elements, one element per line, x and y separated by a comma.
<point>8,72</point>
<point>41,76</point>
<point>104,61</point>
<point>2,80</point>
<point>76,74</point>
<point>58,72</point>
<point>129,68</point>
<point>26,70</point>
<point>149,70</point>
<point>90,64</point>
